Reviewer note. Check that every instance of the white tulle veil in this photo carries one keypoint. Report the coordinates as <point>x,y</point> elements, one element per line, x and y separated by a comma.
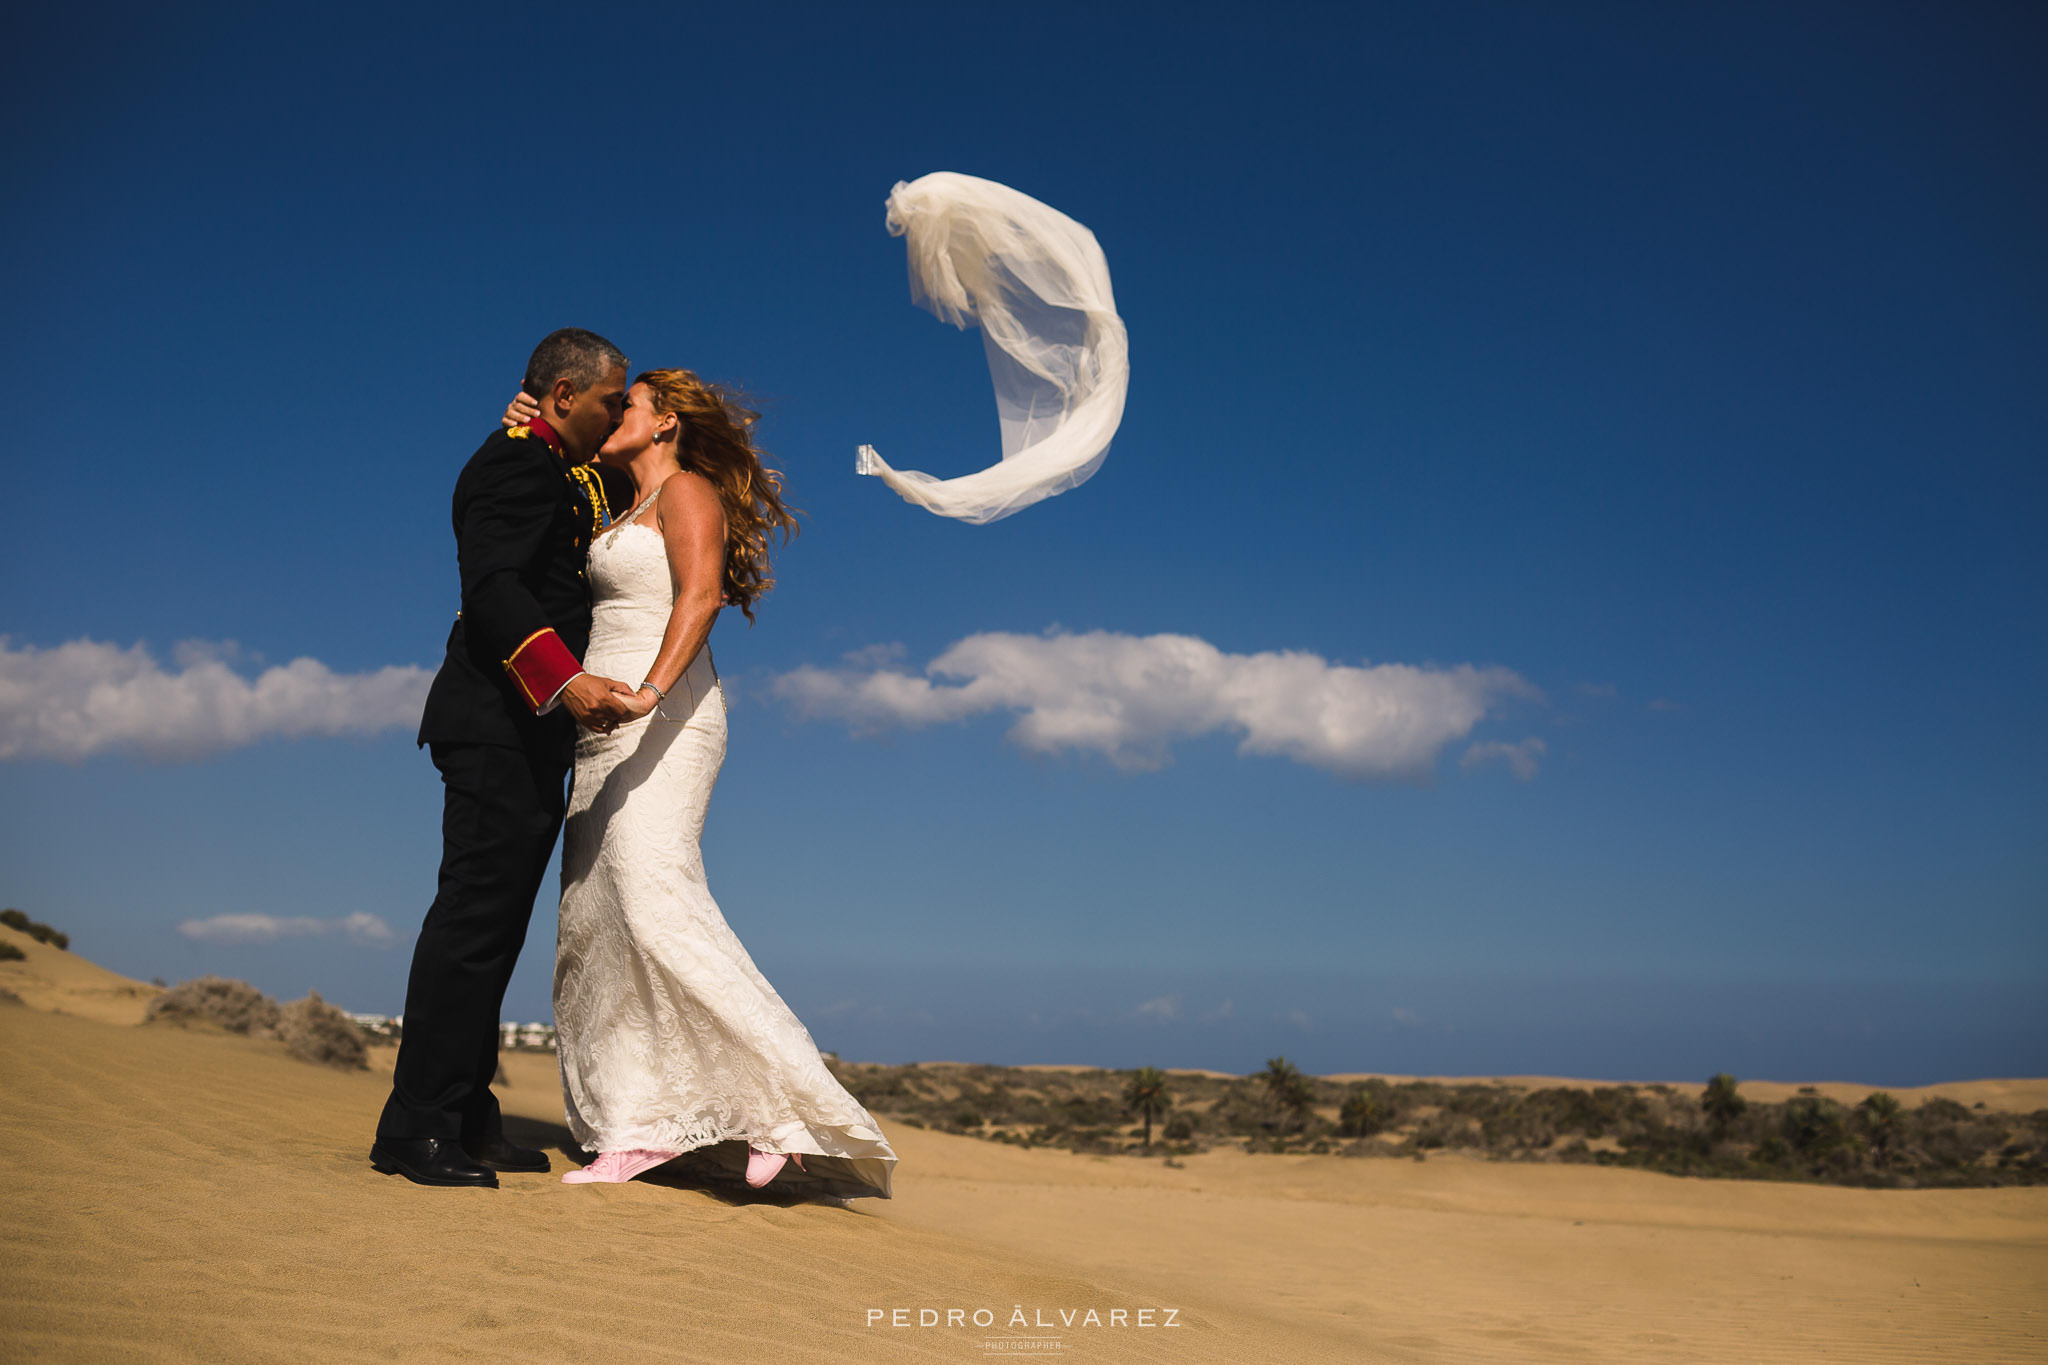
<point>1037,284</point>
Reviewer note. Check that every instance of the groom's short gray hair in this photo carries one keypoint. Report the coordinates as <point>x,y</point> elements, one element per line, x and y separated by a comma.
<point>573,354</point>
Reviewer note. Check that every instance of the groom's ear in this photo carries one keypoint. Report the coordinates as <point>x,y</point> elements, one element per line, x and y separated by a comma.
<point>561,396</point>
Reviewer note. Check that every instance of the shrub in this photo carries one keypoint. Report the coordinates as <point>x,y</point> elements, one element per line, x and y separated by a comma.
<point>235,1006</point>
<point>1813,1126</point>
<point>1448,1130</point>
<point>41,933</point>
<point>1090,1111</point>
<point>879,1092</point>
<point>1722,1104</point>
<point>10,953</point>
<point>1361,1114</point>
<point>1941,1110</point>
<point>315,1031</point>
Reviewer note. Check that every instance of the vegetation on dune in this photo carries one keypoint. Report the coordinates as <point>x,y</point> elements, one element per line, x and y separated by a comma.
<point>35,929</point>
<point>1715,1131</point>
<point>315,1031</point>
<point>235,1006</point>
<point>1146,1094</point>
<point>311,1029</point>
<point>1721,1104</point>
<point>10,953</point>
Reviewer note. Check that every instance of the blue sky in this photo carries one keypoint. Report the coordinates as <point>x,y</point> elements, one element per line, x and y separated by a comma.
<point>1685,362</point>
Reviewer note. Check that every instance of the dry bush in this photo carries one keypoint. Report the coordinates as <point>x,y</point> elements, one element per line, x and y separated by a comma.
<point>35,929</point>
<point>10,953</point>
<point>315,1031</point>
<point>235,1006</point>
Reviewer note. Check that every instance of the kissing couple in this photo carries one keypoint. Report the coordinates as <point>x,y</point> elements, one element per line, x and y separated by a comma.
<point>673,1046</point>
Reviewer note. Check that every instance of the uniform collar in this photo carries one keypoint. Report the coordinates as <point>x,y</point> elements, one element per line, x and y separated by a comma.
<point>547,433</point>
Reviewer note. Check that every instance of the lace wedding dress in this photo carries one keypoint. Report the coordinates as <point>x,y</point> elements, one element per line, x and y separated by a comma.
<point>669,1036</point>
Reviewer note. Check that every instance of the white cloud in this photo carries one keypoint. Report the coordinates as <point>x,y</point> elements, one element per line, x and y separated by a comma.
<point>1164,1007</point>
<point>357,928</point>
<point>85,698</point>
<point>1520,758</point>
<point>1404,1015</point>
<point>365,928</point>
<point>1129,697</point>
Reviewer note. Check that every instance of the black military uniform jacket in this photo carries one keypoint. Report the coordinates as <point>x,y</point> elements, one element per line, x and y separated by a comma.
<point>523,517</point>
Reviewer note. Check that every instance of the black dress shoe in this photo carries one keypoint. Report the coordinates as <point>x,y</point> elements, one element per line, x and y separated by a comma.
<point>429,1161</point>
<point>500,1155</point>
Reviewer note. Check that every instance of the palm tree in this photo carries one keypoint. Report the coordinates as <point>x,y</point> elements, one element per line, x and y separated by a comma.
<point>1883,1116</point>
<point>1721,1104</point>
<point>1146,1093</point>
<point>1287,1088</point>
<point>1360,1116</point>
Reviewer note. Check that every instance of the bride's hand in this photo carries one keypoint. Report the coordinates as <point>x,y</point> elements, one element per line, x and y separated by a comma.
<point>637,703</point>
<point>521,410</point>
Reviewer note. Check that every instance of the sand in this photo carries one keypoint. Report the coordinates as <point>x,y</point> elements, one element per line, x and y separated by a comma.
<point>53,979</point>
<point>188,1195</point>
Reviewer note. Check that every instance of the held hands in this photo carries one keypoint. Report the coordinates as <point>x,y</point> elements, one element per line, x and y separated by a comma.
<point>639,702</point>
<point>522,409</point>
<point>598,703</point>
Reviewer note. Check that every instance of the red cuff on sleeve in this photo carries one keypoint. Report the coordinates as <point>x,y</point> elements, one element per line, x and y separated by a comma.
<point>541,665</point>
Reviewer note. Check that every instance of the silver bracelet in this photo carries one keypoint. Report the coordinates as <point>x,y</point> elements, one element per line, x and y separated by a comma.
<point>659,694</point>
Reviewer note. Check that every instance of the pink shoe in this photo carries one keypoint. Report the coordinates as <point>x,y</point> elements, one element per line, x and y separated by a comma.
<point>763,1166</point>
<point>618,1167</point>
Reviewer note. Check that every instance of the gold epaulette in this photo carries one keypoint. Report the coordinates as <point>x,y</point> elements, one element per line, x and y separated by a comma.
<point>520,433</point>
<point>593,488</point>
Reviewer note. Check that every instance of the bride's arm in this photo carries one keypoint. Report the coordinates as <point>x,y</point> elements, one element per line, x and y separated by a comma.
<point>523,408</point>
<point>692,526</point>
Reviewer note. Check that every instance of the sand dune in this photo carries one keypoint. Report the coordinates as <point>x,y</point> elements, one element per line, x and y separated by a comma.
<point>53,979</point>
<point>186,1195</point>
<point>181,1195</point>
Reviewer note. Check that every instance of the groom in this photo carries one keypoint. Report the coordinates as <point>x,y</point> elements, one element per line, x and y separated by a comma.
<point>500,724</point>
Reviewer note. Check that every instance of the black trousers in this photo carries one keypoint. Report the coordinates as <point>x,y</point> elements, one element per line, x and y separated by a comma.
<point>501,811</point>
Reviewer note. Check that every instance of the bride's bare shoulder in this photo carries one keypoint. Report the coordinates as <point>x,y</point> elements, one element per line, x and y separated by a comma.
<point>688,485</point>
<point>689,498</point>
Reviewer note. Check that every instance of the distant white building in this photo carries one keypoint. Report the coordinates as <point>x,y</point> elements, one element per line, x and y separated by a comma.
<point>510,1032</point>
<point>379,1025</point>
<point>526,1035</point>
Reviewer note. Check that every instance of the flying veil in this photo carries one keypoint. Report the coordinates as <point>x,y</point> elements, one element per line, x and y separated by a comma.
<point>1038,285</point>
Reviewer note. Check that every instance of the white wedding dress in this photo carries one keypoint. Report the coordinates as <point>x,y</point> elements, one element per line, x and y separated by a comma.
<point>669,1037</point>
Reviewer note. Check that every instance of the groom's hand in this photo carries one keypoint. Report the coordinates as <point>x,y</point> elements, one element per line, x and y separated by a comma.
<point>595,702</point>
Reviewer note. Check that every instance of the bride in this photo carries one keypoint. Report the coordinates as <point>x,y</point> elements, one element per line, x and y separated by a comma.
<point>672,1044</point>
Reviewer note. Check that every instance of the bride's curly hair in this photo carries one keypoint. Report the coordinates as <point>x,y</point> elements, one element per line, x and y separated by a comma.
<point>717,441</point>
